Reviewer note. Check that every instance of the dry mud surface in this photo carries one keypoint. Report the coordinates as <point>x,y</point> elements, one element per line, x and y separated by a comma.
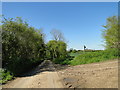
<point>95,75</point>
<point>48,75</point>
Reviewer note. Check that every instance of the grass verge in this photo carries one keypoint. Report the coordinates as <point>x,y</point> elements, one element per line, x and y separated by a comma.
<point>91,57</point>
<point>5,76</point>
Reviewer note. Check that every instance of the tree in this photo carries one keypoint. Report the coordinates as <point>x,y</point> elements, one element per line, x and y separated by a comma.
<point>57,35</point>
<point>56,50</point>
<point>110,33</point>
<point>22,45</point>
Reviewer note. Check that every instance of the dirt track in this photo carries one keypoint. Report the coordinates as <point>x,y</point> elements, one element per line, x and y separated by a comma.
<point>44,76</point>
<point>95,75</point>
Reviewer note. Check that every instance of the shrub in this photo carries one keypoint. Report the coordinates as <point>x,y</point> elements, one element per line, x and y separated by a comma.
<point>5,76</point>
<point>22,46</point>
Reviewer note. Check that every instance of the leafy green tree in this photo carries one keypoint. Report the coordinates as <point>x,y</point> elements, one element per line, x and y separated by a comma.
<point>111,33</point>
<point>56,50</point>
<point>22,45</point>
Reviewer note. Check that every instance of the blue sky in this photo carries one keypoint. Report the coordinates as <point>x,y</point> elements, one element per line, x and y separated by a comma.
<point>80,22</point>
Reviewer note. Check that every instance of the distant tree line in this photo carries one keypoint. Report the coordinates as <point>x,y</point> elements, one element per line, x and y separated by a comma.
<point>86,50</point>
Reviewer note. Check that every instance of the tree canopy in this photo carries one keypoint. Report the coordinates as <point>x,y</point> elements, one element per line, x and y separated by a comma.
<point>111,33</point>
<point>22,45</point>
<point>56,50</point>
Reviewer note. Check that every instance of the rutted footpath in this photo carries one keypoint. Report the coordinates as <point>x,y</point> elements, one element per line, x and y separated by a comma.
<point>43,76</point>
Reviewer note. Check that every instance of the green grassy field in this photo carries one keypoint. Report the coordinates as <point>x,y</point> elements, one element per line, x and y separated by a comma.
<point>75,54</point>
<point>91,57</point>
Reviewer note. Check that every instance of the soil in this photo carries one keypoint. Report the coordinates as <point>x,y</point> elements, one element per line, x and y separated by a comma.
<point>49,75</point>
<point>95,75</point>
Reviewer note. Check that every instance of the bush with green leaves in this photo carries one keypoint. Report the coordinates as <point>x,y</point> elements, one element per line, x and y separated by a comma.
<point>56,51</point>
<point>5,76</point>
<point>22,45</point>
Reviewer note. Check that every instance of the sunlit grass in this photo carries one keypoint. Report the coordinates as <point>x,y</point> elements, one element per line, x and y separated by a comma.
<point>92,57</point>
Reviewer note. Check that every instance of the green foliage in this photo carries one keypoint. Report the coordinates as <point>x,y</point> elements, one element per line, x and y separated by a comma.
<point>22,45</point>
<point>91,57</point>
<point>111,33</point>
<point>72,51</point>
<point>75,54</point>
<point>67,60</point>
<point>5,76</point>
<point>56,50</point>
